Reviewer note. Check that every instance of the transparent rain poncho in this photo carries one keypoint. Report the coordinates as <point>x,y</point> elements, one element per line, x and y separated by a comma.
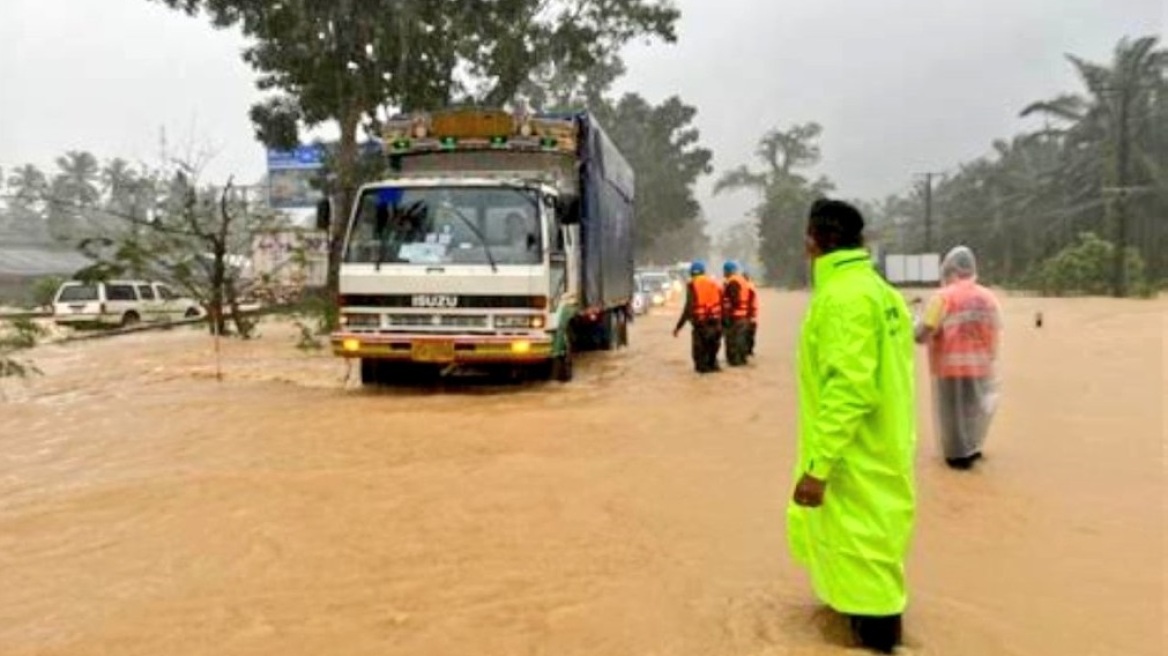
<point>962,328</point>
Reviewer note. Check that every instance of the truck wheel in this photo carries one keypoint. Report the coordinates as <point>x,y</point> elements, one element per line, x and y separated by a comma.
<point>623,317</point>
<point>605,335</point>
<point>611,330</point>
<point>561,369</point>
<point>130,319</point>
<point>370,372</point>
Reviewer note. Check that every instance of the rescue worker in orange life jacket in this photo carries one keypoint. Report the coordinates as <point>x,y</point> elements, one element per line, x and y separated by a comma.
<point>735,314</point>
<point>752,315</point>
<point>703,311</point>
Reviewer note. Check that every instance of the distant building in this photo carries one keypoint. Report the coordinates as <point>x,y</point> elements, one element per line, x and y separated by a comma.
<point>22,263</point>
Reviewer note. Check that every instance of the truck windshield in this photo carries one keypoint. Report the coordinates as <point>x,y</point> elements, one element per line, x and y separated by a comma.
<point>445,225</point>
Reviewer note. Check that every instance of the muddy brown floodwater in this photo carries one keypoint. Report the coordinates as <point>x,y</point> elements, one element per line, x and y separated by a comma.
<point>147,509</point>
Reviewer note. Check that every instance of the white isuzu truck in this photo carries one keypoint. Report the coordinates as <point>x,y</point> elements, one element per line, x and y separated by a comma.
<point>497,239</point>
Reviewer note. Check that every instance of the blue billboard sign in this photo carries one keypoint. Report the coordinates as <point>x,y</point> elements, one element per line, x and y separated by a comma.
<point>291,174</point>
<point>302,157</point>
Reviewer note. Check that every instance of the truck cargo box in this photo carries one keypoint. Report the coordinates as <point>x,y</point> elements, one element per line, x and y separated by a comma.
<point>606,219</point>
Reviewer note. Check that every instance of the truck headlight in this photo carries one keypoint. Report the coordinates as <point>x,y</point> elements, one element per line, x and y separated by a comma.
<point>519,321</point>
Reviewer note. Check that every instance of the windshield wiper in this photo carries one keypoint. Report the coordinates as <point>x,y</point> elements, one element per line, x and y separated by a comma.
<point>478,233</point>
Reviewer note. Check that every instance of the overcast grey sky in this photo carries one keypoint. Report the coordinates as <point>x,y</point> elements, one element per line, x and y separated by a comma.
<point>900,86</point>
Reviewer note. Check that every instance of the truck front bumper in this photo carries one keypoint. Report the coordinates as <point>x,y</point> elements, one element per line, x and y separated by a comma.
<point>441,349</point>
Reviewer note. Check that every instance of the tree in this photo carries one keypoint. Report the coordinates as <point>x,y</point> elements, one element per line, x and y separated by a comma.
<point>659,142</point>
<point>1111,120</point>
<point>348,62</point>
<point>786,194</point>
<point>739,242</point>
<point>27,187</point>
<point>688,242</point>
<point>1031,197</point>
<point>75,192</point>
<point>1084,268</point>
<point>661,145</point>
<point>196,239</point>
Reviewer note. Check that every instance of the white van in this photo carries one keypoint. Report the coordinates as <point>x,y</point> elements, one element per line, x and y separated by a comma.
<point>119,303</point>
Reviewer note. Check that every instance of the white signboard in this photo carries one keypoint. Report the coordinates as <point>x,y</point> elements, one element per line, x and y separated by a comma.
<point>930,267</point>
<point>894,268</point>
<point>922,269</point>
<point>291,258</point>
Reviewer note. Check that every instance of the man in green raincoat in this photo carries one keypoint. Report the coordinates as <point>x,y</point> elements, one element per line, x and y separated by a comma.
<point>851,514</point>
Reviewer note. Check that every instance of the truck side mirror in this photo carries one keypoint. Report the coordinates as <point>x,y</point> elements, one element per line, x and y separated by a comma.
<point>323,214</point>
<point>569,211</point>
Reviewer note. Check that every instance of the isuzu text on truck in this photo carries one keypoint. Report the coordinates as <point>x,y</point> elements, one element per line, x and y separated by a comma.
<point>498,239</point>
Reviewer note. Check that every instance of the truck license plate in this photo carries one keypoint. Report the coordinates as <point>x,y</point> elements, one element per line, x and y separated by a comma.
<point>431,351</point>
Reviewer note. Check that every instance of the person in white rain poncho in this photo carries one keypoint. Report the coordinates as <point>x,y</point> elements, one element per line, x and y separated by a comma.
<point>962,326</point>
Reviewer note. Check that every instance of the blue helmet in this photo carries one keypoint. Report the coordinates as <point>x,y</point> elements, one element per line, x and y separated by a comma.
<point>730,267</point>
<point>697,268</point>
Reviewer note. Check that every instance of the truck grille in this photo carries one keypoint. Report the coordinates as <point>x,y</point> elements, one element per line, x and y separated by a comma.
<point>436,320</point>
<point>464,301</point>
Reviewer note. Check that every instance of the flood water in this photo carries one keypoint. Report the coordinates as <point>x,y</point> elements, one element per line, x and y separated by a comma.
<point>146,508</point>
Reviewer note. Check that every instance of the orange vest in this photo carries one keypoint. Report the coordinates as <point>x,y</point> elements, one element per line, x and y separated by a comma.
<point>707,302</point>
<point>964,345</point>
<point>742,309</point>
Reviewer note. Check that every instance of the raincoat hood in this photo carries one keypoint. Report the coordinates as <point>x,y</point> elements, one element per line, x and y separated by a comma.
<point>959,263</point>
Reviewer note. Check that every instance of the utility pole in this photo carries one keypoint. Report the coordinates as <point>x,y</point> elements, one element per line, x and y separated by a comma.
<point>928,212</point>
<point>929,209</point>
<point>1122,180</point>
<point>1122,153</point>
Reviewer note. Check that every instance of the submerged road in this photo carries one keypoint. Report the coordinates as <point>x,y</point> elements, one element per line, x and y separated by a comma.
<point>147,509</point>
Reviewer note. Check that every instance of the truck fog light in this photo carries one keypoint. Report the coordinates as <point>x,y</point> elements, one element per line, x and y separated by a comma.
<point>351,345</point>
<point>522,346</point>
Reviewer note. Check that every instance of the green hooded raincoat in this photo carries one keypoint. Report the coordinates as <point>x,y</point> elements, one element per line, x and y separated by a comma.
<point>857,431</point>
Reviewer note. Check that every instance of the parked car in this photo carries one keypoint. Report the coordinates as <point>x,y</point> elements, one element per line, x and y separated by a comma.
<point>119,303</point>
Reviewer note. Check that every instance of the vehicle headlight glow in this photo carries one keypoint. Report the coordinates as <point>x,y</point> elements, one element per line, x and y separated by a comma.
<point>351,345</point>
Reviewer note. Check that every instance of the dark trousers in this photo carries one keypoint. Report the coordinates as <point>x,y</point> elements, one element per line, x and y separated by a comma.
<point>706,339</point>
<point>737,334</point>
<point>879,634</point>
<point>751,331</point>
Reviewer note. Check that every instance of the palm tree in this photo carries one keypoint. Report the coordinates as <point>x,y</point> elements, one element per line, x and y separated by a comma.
<point>122,188</point>
<point>1108,125</point>
<point>28,185</point>
<point>72,193</point>
<point>78,178</point>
